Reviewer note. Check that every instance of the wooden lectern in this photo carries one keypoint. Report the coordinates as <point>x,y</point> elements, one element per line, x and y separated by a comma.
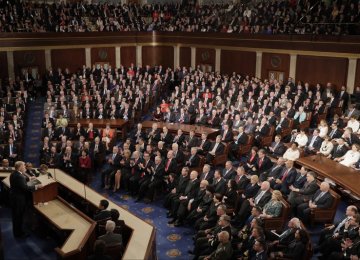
<point>48,192</point>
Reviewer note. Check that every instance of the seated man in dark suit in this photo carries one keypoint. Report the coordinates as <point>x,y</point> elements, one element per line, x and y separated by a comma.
<point>104,213</point>
<point>287,178</point>
<point>216,149</point>
<point>322,199</point>
<point>179,138</point>
<point>226,134</point>
<point>10,152</point>
<point>262,164</point>
<point>277,147</point>
<point>339,150</point>
<point>239,140</point>
<point>194,159</point>
<point>228,172</point>
<point>191,141</point>
<point>204,145</point>
<point>299,195</point>
<point>282,124</point>
<point>224,249</point>
<point>111,238</point>
<point>314,143</point>
<point>99,251</point>
<point>274,172</point>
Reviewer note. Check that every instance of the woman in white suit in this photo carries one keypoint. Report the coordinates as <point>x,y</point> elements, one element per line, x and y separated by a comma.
<point>351,156</point>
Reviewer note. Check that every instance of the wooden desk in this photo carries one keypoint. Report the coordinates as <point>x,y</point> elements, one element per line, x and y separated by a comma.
<point>343,176</point>
<point>101,123</point>
<point>66,217</point>
<point>141,244</point>
<point>174,127</point>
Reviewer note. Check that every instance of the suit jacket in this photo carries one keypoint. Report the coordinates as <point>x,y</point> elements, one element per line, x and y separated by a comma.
<point>282,125</point>
<point>324,202</point>
<point>104,214</point>
<point>191,189</point>
<point>206,146</point>
<point>223,251</point>
<point>299,181</point>
<point>181,185</point>
<point>289,179</point>
<point>193,161</point>
<point>209,177</point>
<point>180,158</point>
<point>228,136</point>
<point>19,191</point>
<point>172,167</point>
<point>336,134</point>
<point>7,150</point>
<point>264,199</point>
<point>158,173</point>
<point>279,150</point>
<point>219,149</point>
<point>180,140</point>
<point>242,182</point>
<point>111,238</point>
<point>220,186</point>
<point>308,190</point>
<point>202,120</point>
<point>228,175</point>
<point>193,142</point>
<point>167,138</point>
<point>242,139</point>
<point>339,151</point>
<point>264,165</point>
<point>317,142</point>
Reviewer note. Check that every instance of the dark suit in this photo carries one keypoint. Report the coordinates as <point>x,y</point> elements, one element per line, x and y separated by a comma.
<point>171,167</point>
<point>263,165</point>
<point>282,125</point>
<point>228,174</point>
<point>220,186</point>
<point>111,239</point>
<point>234,146</point>
<point>334,134</point>
<point>20,197</point>
<point>218,151</point>
<point>228,136</point>
<point>192,142</point>
<point>193,161</point>
<point>339,151</point>
<point>304,194</point>
<point>288,178</point>
<point>156,180</point>
<point>209,176</point>
<point>279,150</point>
<point>179,207</point>
<point>102,215</point>
<point>275,172</point>
<point>323,202</point>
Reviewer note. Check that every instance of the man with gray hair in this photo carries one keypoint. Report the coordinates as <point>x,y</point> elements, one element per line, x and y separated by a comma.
<point>322,199</point>
<point>111,238</point>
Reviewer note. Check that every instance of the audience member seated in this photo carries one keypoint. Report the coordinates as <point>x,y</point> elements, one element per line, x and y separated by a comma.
<point>111,238</point>
<point>99,251</point>
<point>103,212</point>
<point>322,199</point>
<point>292,153</point>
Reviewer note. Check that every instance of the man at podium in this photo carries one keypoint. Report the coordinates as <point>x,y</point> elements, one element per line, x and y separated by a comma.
<point>21,187</point>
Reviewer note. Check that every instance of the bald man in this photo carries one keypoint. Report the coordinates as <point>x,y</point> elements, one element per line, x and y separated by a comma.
<point>322,199</point>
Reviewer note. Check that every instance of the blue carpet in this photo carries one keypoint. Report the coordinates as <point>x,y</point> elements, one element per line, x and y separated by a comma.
<point>34,247</point>
<point>171,242</point>
<point>33,132</point>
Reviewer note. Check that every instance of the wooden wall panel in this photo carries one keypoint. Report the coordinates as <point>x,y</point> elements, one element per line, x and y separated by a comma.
<point>33,58</point>
<point>128,55</point>
<point>205,56</point>
<point>185,56</point>
<point>158,55</point>
<point>73,59</point>
<point>275,62</point>
<point>357,77</point>
<point>106,55</point>
<point>242,62</point>
<point>314,69</point>
<point>4,67</point>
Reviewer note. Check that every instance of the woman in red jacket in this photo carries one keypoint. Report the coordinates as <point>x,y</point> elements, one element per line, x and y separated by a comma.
<point>85,166</point>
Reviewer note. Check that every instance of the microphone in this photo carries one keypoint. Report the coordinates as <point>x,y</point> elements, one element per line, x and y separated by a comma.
<point>49,175</point>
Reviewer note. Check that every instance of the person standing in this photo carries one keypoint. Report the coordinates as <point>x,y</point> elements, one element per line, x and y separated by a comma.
<point>20,198</point>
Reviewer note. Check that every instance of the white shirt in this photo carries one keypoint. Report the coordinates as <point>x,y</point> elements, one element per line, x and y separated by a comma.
<point>301,140</point>
<point>354,125</point>
<point>291,154</point>
<point>323,131</point>
<point>350,158</point>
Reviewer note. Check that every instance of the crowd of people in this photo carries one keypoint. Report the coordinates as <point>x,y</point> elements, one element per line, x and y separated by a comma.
<point>263,17</point>
<point>216,200</point>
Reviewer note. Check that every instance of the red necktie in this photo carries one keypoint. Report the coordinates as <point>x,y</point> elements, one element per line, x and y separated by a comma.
<point>285,175</point>
<point>168,164</point>
<point>260,162</point>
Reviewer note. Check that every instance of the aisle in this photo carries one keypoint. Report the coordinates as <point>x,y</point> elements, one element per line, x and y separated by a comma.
<point>33,132</point>
<point>171,242</point>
